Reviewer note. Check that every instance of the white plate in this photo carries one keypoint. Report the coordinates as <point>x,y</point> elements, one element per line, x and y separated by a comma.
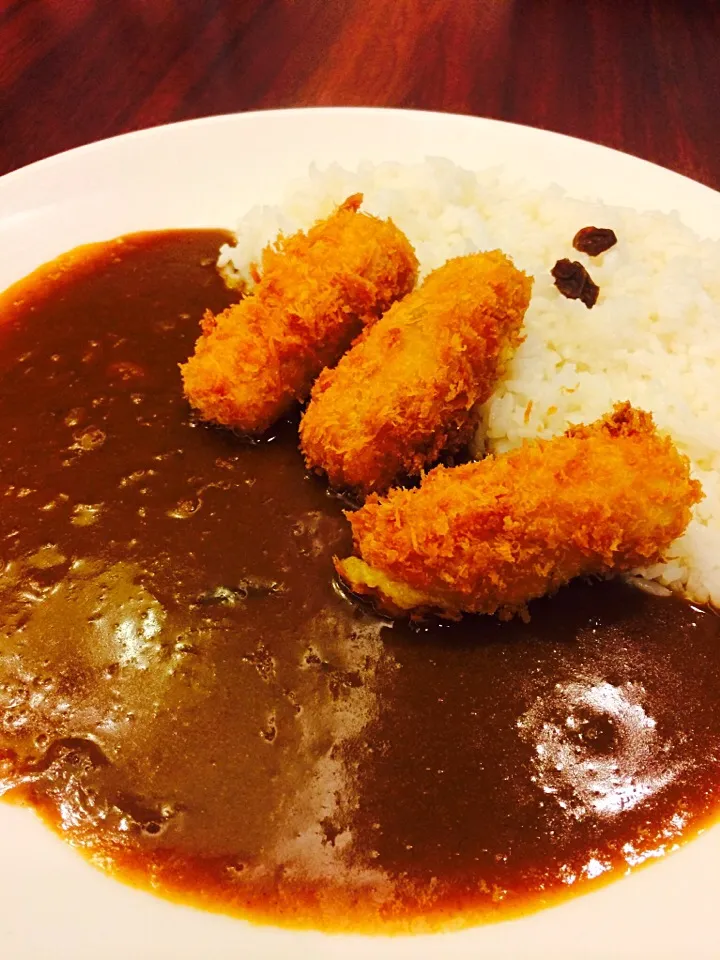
<point>206,173</point>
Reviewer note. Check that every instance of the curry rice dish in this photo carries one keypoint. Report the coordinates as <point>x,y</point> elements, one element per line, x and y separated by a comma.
<point>185,695</point>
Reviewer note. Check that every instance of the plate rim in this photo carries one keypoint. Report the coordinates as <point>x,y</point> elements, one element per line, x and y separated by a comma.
<point>469,942</point>
<point>209,120</point>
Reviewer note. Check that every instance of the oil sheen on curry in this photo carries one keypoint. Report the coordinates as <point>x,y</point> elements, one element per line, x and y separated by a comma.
<point>186,697</point>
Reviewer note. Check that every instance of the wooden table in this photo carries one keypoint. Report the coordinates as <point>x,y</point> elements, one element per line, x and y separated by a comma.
<point>639,75</point>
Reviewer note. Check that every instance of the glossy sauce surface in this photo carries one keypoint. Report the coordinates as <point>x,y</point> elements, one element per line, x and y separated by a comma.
<point>186,698</point>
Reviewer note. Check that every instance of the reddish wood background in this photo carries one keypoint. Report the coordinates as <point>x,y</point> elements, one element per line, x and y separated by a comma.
<point>640,75</point>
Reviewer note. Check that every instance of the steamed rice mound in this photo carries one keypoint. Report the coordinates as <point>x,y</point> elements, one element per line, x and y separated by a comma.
<point>653,337</point>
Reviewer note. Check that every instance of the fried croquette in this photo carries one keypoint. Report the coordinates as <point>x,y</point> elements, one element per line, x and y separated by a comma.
<point>406,391</point>
<point>314,294</point>
<point>489,536</point>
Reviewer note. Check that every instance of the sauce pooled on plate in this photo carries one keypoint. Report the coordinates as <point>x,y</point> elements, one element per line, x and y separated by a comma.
<point>186,697</point>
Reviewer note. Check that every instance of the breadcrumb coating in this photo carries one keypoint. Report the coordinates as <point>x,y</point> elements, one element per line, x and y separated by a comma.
<point>406,390</point>
<point>314,294</point>
<point>488,537</point>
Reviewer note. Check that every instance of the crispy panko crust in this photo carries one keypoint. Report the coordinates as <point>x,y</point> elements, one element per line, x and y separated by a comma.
<point>406,390</point>
<point>315,292</point>
<point>487,537</point>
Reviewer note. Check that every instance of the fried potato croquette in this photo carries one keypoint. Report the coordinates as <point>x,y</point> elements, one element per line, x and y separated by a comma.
<point>405,392</point>
<point>314,294</point>
<point>487,537</point>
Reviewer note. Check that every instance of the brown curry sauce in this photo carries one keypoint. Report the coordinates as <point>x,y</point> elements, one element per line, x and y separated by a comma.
<point>187,698</point>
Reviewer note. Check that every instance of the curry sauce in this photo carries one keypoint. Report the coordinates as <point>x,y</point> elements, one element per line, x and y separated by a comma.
<point>189,699</point>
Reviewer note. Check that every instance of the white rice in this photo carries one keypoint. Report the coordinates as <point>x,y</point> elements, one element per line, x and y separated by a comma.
<point>653,337</point>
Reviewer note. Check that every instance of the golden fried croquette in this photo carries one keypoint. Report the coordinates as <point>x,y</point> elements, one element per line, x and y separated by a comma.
<point>487,537</point>
<point>406,390</point>
<point>314,294</point>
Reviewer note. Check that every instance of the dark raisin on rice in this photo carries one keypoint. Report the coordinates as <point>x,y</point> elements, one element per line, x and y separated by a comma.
<point>594,240</point>
<point>574,282</point>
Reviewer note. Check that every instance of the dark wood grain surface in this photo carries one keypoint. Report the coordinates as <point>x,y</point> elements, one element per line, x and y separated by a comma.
<point>639,75</point>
